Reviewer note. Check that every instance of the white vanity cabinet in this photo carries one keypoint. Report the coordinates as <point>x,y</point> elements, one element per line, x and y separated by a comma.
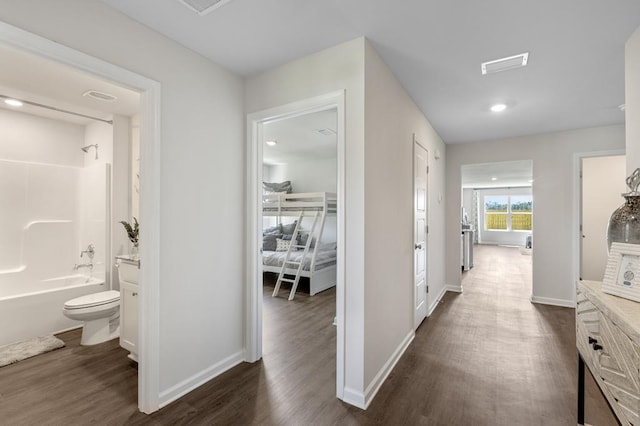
<point>128,275</point>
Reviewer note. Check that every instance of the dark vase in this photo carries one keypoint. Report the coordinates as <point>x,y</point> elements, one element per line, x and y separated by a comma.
<point>624,224</point>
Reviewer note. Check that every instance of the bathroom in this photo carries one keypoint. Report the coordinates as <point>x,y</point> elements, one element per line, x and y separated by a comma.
<point>69,161</point>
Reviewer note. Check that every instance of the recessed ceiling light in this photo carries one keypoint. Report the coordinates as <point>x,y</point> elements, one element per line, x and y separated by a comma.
<point>494,178</point>
<point>498,107</point>
<point>13,102</point>
<point>271,143</point>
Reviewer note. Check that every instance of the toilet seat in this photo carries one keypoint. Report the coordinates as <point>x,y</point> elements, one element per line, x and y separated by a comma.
<point>93,300</point>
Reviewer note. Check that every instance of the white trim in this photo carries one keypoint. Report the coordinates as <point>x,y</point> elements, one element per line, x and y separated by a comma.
<point>253,330</point>
<point>453,288</point>
<point>149,369</point>
<point>436,301</point>
<point>554,302</point>
<point>197,380</point>
<point>373,388</point>
<point>577,203</point>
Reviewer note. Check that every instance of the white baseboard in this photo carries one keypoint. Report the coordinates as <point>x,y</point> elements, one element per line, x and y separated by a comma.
<point>354,397</point>
<point>437,300</point>
<point>186,386</point>
<point>373,388</point>
<point>453,288</point>
<point>554,302</point>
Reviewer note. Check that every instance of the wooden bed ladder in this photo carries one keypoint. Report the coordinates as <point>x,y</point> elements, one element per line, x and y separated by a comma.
<point>290,264</point>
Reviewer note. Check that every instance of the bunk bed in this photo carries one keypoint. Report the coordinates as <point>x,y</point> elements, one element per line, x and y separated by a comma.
<point>299,251</point>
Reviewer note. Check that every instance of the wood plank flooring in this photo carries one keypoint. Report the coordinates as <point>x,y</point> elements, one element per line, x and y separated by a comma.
<point>485,357</point>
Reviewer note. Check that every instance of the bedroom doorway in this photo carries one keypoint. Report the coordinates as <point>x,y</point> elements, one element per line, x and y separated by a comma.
<point>297,234</point>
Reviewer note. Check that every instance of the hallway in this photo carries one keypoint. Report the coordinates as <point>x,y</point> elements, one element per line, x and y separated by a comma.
<point>486,357</point>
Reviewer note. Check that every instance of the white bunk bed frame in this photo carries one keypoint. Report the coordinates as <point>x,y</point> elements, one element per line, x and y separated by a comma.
<point>316,205</point>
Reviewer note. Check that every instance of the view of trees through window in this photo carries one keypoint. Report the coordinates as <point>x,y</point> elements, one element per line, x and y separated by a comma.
<point>508,212</point>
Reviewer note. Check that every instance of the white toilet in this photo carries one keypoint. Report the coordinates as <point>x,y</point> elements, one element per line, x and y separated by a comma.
<point>99,311</point>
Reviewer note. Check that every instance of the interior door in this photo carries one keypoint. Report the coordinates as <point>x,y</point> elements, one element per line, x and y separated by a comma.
<point>420,173</point>
<point>603,180</point>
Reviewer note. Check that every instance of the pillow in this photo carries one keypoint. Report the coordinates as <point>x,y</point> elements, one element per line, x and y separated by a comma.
<point>282,245</point>
<point>271,230</point>
<point>271,187</point>
<point>288,228</point>
<point>269,241</point>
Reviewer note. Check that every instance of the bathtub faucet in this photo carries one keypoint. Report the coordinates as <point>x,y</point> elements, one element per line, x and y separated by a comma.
<point>91,251</point>
<point>83,265</point>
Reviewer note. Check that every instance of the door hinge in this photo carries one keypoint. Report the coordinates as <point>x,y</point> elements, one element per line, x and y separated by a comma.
<point>427,169</point>
<point>427,229</point>
<point>427,289</point>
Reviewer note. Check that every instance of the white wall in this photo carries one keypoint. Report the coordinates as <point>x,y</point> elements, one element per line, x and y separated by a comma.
<point>121,198</point>
<point>514,238</point>
<point>337,68</point>
<point>202,122</point>
<point>308,175</point>
<point>391,119</point>
<point>632,100</point>
<point>553,193</point>
<point>26,137</point>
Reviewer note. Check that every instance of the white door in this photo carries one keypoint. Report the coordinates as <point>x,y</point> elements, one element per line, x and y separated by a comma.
<point>420,171</point>
<point>603,180</point>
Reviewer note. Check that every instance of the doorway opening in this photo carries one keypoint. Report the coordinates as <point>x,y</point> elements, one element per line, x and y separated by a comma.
<point>602,182</point>
<point>41,50</point>
<point>497,209</point>
<point>296,213</point>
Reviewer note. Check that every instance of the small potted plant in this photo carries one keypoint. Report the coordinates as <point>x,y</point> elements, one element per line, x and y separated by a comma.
<point>132,234</point>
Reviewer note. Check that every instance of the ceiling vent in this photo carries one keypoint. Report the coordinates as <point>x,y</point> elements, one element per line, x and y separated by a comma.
<point>326,132</point>
<point>202,7</point>
<point>99,96</point>
<point>504,64</point>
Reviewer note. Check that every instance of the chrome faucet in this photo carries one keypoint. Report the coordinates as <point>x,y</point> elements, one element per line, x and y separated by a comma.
<point>91,251</point>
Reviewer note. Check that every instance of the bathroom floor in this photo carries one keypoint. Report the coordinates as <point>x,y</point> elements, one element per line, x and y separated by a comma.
<point>46,389</point>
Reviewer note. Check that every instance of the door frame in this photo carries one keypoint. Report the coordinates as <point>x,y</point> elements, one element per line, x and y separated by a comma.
<point>149,329</point>
<point>426,238</point>
<point>253,320</point>
<point>577,203</point>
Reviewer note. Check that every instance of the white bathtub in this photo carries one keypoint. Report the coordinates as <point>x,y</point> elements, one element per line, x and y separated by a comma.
<point>38,311</point>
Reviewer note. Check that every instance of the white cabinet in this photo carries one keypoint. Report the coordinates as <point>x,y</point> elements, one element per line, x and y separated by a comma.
<point>608,341</point>
<point>128,275</point>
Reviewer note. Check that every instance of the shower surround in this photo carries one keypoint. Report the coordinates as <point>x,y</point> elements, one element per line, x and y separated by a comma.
<point>48,214</point>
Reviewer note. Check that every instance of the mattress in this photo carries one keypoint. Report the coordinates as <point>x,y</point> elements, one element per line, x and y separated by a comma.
<point>324,258</point>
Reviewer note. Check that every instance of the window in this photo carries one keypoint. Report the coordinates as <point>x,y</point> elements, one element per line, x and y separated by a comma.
<point>496,212</point>
<point>508,212</point>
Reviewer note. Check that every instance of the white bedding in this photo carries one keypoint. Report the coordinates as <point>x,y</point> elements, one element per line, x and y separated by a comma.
<point>324,258</point>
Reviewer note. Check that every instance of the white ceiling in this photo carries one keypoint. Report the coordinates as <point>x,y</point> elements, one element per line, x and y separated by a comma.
<point>36,79</point>
<point>507,174</point>
<point>575,76</point>
<point>297,138</point>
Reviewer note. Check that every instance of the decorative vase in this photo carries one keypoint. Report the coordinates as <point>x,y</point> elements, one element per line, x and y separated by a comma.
<point>624,224</point>
<point>134,251</point>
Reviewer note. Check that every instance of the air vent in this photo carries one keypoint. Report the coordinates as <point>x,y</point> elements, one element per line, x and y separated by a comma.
<point>202,7</point>
<point>504,64</point>
<point>326,132</point>
<point>100,96</point>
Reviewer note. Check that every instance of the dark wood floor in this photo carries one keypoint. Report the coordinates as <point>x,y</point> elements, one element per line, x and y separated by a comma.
<point>485,357</point>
